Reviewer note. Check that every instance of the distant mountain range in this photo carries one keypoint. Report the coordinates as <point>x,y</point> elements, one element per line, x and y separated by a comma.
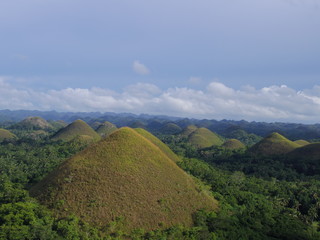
<point>157,123</point>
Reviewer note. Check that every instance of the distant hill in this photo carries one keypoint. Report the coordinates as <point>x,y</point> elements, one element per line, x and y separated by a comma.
<point>273,144</point>
<point>233,144</point>
<point>32,123</point>
<point>75,129</point>
<point>170,128</point>
<point>6,135</point>
<point>203,137</point>
<point>123,175</point>
<point>302,142</point>
<point>188,130</point>
<point>106,128</point>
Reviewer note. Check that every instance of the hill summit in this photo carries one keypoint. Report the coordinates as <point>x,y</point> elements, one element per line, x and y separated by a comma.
<point>233,144</point>
<point>124,175</point>
<point>74,130</point>
<point>34,123</point>
<point>273,144</point>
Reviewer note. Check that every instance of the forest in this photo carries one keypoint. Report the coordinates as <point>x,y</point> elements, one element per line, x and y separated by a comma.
<point>260,196</point>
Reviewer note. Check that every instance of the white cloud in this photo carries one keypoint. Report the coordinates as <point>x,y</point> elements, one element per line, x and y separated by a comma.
<point>140,68</point>
<point>217,101</point>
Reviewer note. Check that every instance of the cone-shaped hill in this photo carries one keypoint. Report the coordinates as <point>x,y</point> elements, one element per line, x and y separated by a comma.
<point>33,123</point>
<point>156,141</point>
<point>188,130</point>
<point>274,144</point>
<point>6,135</point>
<point>301,142</point>
<point>203,137</point>
<point>233,144</point>
<point>170,128</point>
<point>106,128</point>
<point>75,129</point>
<point>124,175</point>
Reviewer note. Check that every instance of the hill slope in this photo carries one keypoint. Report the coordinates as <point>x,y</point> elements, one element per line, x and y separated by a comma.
<point>75,129</point>
<point>6,135</point>
<point>123,175</point>
<point>156,141</point>
<point>106,128</point>
<point>302,142</point>
<point>188,130</point>
<point>203,137</point>
<point>273,144</point>
<point>233,144</point>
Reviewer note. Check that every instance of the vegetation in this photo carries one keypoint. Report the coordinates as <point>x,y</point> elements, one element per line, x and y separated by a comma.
<point>261,196</point>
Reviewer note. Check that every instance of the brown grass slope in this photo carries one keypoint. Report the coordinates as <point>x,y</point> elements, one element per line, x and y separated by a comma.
<point>6,135</point>
<point>233,144</point>
<point>170,128</point>
<point>74,130</point>
<point>203,137</point>
<point>156,141</point>
<point>123,175</point>
<point>302,142</point>
<point>106,128</point>
<point>274,144</point>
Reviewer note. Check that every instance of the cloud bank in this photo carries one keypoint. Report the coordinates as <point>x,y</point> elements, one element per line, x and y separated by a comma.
<point>216,101</point>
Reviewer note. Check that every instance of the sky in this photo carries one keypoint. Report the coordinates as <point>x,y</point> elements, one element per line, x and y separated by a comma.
<point>257,60</point>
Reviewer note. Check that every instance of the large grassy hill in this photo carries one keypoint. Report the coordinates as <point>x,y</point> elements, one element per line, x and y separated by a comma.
<point>124,175</point>
<point>203,137</point>
<point>75,129</point>
<point>273,144</point>
<point>6,135</point>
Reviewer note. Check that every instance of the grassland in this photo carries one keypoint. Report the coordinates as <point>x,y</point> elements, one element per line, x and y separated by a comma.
<point>106,128</point>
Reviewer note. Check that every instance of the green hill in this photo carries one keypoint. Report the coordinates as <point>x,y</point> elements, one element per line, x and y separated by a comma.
<point>233,144</point>
<point>170,128</point>
<point>301,142</point>
<point>156,141</point>
<point>203,137</point>
<point>6,135</point>
<point>106,128</point>
<point>274,144</point>
<point>75,129</point>
<point>124,175</point>
<point>188,130</point>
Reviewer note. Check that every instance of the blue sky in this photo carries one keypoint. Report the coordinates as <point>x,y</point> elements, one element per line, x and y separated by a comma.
<point>125,48</point>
